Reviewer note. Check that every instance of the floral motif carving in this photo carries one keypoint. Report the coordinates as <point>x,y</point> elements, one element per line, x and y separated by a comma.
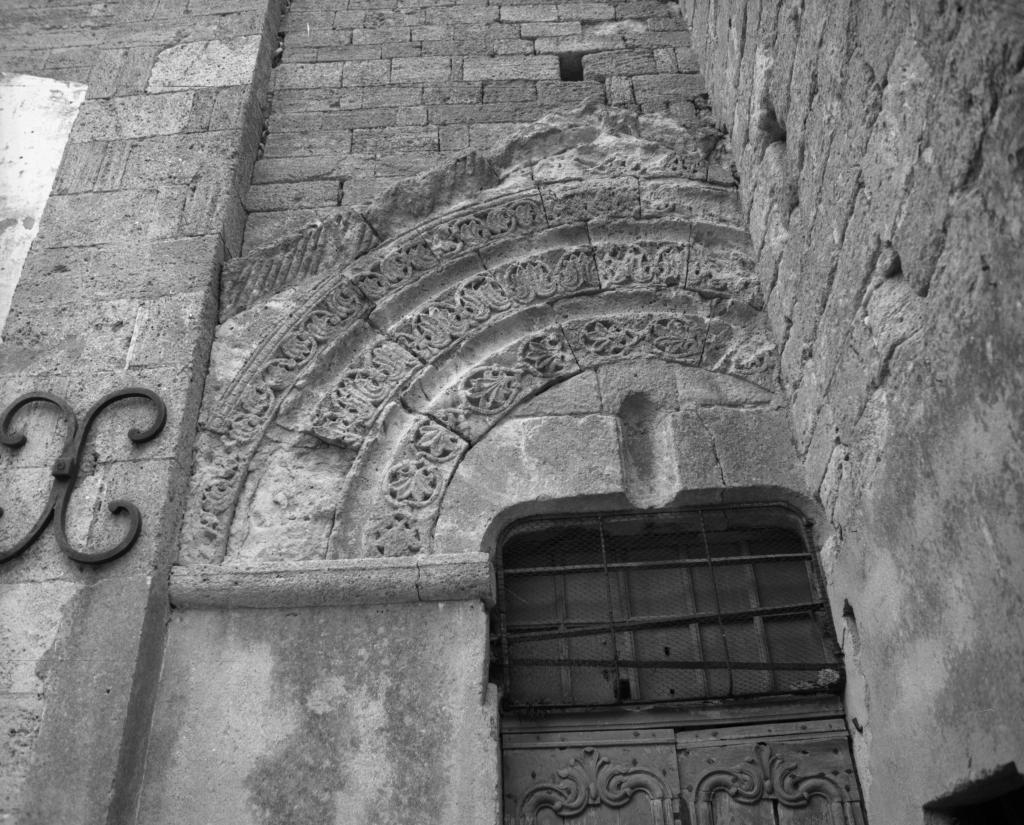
<point>464,232</point>
<point>531,279</point>
<point>398,267</point>
<point>248,406</point>
<point>766,775</point>
<point>678,337</point>
<point>397,534</point>
<point>491,389</point>
<point>546,355</point>
<point>603,336</point>
<point>591,780</point>
<point>723,272</point>
<point>412,485</point>
<point>415,482</point>
<point>346,414</point>
<point>664,265</point>
<point>616,199</point>
<point>441,323</point>
<point>535,279</point>
<point>436,443</point>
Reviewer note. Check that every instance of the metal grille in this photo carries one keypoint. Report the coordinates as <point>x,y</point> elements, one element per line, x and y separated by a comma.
<point>642,608</point>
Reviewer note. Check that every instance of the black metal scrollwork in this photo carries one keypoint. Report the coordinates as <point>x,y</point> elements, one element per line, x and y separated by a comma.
<point>65,469</point>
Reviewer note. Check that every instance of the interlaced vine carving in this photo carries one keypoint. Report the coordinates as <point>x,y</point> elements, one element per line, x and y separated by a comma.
<point>605,336</point>
<point>469,230</point>
<point>575,204</point>
<point>663,265</point>
<point>347,413</point>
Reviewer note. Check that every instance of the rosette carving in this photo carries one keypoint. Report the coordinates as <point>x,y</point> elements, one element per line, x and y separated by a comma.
<point>546,355</point>
<point>491,389</point>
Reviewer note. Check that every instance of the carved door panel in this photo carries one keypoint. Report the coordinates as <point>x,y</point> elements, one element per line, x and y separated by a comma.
<point>783,774</point>
<point>590,778</point>
<point>786,773</point>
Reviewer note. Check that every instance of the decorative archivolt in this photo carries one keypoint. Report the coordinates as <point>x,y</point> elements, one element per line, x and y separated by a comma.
<point>405,356</point>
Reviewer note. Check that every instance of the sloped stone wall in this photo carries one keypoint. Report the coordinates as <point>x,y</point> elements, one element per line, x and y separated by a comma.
<point>879,146</point>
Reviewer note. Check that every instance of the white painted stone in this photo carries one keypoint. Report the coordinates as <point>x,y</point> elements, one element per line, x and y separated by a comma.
<point>36,115</point>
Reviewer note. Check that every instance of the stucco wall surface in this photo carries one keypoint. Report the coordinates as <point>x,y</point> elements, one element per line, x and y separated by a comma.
<point>371,715</point>
<point>879,147</point>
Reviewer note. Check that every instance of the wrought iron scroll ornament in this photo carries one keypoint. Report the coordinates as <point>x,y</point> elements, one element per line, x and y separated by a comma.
<point>65,469</point>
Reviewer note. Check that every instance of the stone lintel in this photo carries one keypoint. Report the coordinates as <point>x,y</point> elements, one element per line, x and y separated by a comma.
<point>435,578</point>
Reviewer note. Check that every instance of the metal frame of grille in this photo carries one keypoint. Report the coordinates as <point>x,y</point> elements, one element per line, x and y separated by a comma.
<point>646,608</point>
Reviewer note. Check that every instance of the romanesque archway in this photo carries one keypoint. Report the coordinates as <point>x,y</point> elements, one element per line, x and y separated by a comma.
<point>384,367</point>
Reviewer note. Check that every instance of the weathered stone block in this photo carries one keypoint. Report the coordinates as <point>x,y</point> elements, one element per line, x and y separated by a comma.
<point>205,63</point>
<point>311,75</point>
<point>344,689</point>
<point>420,69</point>
<point>510,68</point>
<point>366,73</point>
<point>624,63</point>
<point>754,448</point>
<point>266,197</point>
<point>395,139</point>
<point>132,117</point>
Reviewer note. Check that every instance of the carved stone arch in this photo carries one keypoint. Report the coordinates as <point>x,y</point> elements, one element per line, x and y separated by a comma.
<point>400,357</point>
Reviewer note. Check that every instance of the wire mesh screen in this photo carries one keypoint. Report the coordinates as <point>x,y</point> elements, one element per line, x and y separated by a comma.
<point>637,609</point>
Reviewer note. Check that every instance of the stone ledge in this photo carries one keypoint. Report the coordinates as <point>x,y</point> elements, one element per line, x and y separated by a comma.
<point>442,577</point>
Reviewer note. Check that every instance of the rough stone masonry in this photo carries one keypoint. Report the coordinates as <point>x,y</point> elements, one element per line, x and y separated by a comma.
<point>406,271</point>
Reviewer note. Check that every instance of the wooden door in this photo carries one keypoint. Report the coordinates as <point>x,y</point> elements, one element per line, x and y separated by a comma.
<point>791,773</point>
<point>608,777</point>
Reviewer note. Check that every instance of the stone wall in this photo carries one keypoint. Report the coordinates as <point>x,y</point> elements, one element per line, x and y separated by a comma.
<point>879,146</point>
<point>368,94</point>
<point>879,152</point>
<point>119,289</point>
